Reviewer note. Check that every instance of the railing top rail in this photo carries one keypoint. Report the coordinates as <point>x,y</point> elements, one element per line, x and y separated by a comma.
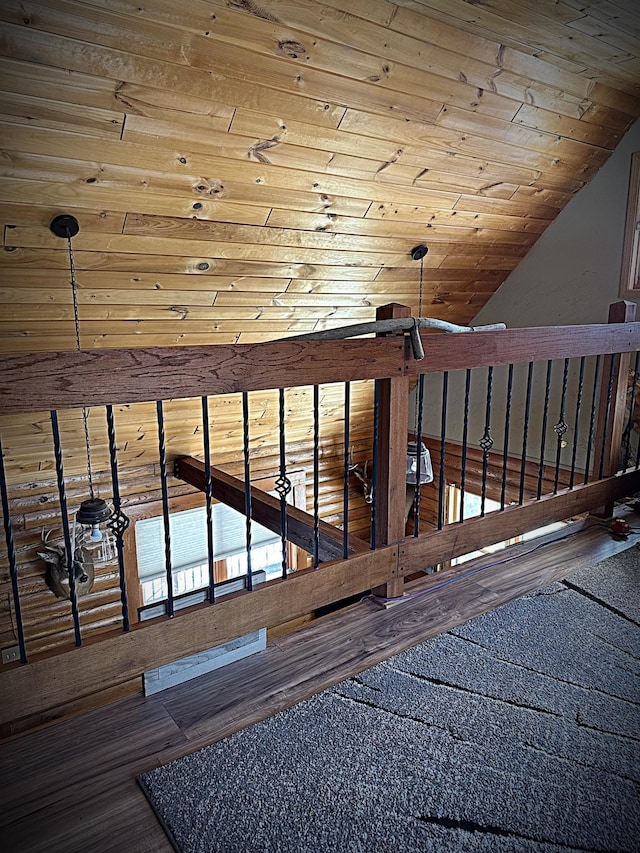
<point>58,380</point>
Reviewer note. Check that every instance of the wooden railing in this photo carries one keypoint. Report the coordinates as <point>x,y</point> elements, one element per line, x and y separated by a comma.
<point>71,380</point>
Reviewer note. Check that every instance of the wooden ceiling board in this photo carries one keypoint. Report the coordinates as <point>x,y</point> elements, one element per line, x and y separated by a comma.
<point>242,170</point>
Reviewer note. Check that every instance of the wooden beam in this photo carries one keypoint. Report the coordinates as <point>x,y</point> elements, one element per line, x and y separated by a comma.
<point>457,539</point>
<point>265,510</point>
<point>118,657</point>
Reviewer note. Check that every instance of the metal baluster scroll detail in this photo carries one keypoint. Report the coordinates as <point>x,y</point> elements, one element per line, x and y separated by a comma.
<point>606,438</point>
<point>545,419</point>
<point>118,522</point>
<point>486,442</point>
<point>283,483</point>
<point>561,427</point>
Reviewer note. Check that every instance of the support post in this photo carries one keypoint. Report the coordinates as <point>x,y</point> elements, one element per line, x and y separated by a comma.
<point>612,405</point>
<point>390,484</point>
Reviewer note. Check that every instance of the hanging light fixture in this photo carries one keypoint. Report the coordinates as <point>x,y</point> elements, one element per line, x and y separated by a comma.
<point>93,511</point>
<point>419,468</point>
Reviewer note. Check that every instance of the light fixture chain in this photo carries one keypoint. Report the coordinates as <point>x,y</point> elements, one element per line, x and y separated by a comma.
<point>76,318</point>
<point>74,291</point>
<point>421,286</point>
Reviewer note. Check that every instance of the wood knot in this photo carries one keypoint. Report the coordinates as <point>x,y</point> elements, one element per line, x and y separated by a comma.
<point>292,49</point>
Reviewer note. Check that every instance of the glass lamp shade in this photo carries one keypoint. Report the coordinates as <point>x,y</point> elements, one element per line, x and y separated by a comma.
<point>425,475</point>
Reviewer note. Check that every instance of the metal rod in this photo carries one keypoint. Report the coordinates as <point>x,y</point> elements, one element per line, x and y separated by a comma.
<point>208,490</point>
<point>576,428</point>
<point>561,427</point>
<point>69,546</point>
<point>162,455</point>
<point>632,407</point>
<point>345,485</point>
<point>543,434</point>
<point>13,562</point>
<point>416,504</point>
<point>247,484</point>
<point>592,419</point>
<point>443,446</point>
<point>525,433</point>
<point>465,442</point>
<point>507,427</point>
<point>118,522</point>
<point>486,442</point>
<point>283,484</point>
<point>316,476</point>
<point>606,430</point>
<point>375,462</point>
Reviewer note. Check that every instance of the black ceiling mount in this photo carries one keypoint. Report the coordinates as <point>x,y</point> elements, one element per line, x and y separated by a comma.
<point>419,252</point>
<point>65,226</point>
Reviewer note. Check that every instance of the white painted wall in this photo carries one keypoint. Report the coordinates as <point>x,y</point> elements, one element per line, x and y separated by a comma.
<point>572,273</point>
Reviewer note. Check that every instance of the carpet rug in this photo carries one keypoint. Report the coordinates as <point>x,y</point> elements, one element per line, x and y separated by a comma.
<point>517,731</point>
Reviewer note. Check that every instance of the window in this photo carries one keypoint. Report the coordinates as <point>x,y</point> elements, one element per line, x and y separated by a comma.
<point>630,279</point>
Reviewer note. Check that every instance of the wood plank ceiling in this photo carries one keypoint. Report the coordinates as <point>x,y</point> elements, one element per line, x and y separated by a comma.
<point>247,169</point>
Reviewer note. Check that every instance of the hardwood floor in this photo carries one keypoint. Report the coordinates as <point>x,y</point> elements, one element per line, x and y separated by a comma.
<point>71,786</point>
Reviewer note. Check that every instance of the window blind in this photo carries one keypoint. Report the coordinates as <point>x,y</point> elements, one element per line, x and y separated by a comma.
<point>189,547</point>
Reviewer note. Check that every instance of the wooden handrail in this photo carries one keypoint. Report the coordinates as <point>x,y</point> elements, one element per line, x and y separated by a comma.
<point>41,381</point>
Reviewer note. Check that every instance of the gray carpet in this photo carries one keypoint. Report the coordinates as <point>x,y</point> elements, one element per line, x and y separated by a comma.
<point>517,731</point>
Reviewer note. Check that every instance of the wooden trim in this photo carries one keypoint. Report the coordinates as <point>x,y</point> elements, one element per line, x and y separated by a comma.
<point>118,657</point>
<point>41,381</point>
<point>630,274</point>
<point>266,509</point>
<point>474,533</point>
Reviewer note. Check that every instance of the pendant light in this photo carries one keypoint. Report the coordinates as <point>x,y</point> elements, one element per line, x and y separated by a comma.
<point>93,511</point>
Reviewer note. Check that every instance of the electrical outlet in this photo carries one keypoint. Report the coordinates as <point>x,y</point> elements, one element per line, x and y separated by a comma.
<point>11,654</point>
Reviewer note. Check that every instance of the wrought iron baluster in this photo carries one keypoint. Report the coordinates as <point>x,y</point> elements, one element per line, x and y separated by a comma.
<point>465,441</point>
<point>606,433</point>
<point>416,499</point>
<point>345,485</point>
<point>247,485</point>
<point>162,454</point>
<point>628,430</point>
<point>118,521</point>
<point>545,418</point>
<point>507,427</point>
<point>443,449</point>
<point>316,476</point>
<point>283,483</point>
<point>576,428</point>
<point>525,433</point>
<point>13,562</point>
<point>592,419</point>
<point>486,442</point>
<point>374,462</point>
<point>208,492</point>
<point>69,546</point>
<point>561,427</point>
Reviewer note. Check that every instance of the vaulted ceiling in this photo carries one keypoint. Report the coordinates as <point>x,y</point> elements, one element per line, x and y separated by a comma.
<point>246,169</point>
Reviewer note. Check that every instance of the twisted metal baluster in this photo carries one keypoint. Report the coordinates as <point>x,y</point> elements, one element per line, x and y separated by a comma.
<point>606,431</point>
<point>576,427</point>
<point>507,427</point>
<point>561,427</point>
<point>465,440</point>
<point>443,449</point>
<point>13,562</point>
<point>525,433</point>
<point>632,406</point>
<point>345,484</point>
<point>118,521</point>
<point>486,442</point>
<point>247,485</point>
<point>416,499</point>
<point>69,546</point>
<point>162,456</point>
<point>316,476</point>
<point>543,435</point>
<point>283,483</point>
<point>592,420</point>
<point>208,492</point>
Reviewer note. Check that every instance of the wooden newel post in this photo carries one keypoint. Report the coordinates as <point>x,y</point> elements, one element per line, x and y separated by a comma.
<point>390,482</point>
<point>612,405</point>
